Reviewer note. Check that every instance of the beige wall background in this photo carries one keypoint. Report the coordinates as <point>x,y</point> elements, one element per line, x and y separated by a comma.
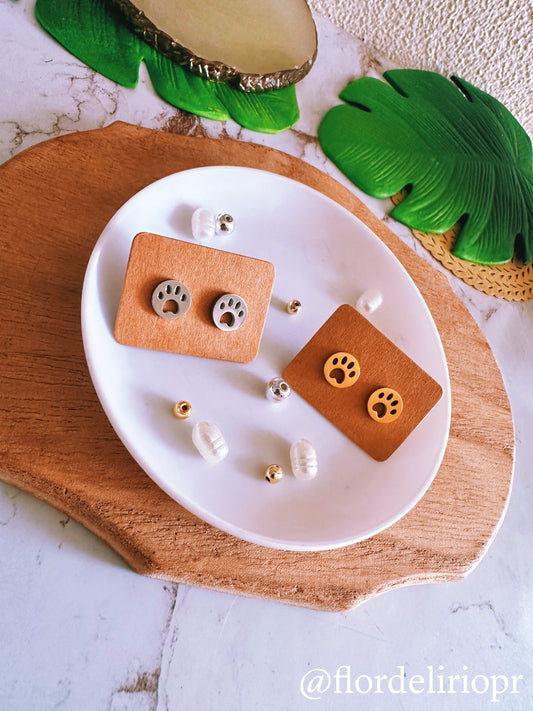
<point>487,42</point>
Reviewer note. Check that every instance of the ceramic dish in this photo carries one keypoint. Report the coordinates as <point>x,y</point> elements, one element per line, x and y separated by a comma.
<point>324,257</point>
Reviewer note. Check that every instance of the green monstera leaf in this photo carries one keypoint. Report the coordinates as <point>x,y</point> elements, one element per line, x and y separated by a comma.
<point>459,153</point>
<point>91,31</point>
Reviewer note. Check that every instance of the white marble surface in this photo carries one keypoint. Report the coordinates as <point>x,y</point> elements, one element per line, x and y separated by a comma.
<point>79,630</point>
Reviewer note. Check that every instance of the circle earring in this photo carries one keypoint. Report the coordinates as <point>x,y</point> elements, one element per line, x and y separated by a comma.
<point>384,405</point>
<point>229,312</point>
<point>171,299</point>
<point>341,370</point>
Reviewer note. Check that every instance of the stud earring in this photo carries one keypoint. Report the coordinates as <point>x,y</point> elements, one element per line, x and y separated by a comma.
<point>171,299</point>
<point>341,370</point>
<point>273,473</point>
<point>384,405</point>
<point>278,390</point>
<point>229,312</point>
<point>205,225</point>
<point>304,461</point>
<point>209,441</point>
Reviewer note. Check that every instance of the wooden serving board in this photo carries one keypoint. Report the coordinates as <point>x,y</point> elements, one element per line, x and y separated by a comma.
<point>56,443</point>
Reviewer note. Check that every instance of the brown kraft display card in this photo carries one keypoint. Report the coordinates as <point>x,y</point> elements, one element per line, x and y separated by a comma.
<point>208,274</point>
<point>382,365</point>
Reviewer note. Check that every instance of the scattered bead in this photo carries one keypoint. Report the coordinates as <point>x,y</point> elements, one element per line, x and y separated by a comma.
<point>225,223</point>
<point>171,299</point>
<point>182,410</point>
<point>229,312</point>
<point>273,473</point>
<point>294,306</point>
<point>385,405</point>
<point>203,224</point>
<point>341,370</point>
<point>304,461</point>
<point>369,301</point>
<point>208,440</point>
<point>278,390</point>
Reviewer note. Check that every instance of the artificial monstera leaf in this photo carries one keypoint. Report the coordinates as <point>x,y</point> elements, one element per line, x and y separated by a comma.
<point>461,155</point>
<point>93,33</point>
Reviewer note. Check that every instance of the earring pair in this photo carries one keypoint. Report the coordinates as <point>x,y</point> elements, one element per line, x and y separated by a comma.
<point>172,299</point>
<point>342,370</point>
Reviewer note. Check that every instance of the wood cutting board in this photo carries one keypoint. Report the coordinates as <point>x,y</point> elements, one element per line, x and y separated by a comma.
<point>56,443</point>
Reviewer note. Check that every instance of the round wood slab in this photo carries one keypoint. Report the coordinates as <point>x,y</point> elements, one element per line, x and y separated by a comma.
<point>56,443</point>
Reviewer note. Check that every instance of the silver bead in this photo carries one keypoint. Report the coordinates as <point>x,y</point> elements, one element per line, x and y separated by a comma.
<point>229,312</point>
<point>278,390</point>
<point>294,307</point>
<point>369,301</point>
<point>224,224</point>
<point>171,299</point>
<point>273,473</point>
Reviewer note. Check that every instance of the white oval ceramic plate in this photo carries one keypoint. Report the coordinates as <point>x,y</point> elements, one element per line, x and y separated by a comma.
<point>324,257</point>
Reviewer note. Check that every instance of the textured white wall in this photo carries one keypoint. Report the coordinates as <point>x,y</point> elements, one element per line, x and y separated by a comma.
<point>487,42</point>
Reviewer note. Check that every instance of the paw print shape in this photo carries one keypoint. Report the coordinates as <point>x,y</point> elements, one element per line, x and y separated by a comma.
<point>385,405</point>
<point>341,370</point>
<point>171,299</point>
<point>229,312</point>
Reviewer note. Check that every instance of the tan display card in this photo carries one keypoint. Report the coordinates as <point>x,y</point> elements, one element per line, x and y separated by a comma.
<point>382,365</point>
<point>207,274</point>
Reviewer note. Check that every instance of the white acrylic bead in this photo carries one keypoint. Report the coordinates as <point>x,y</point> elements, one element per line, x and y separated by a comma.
<point>369,301</point>
<point>208,440</point>
<point>203,224</point>
<point>304,461</point>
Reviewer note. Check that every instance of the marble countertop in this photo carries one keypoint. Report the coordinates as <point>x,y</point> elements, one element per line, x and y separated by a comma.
<point>79,630</point>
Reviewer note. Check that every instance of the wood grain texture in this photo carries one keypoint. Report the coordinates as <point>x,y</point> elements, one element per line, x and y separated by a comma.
<point>56,442</point>
<point>382,364</point>
<point>208,273</point>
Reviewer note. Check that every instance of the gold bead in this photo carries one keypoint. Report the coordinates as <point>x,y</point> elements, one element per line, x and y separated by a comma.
<point>294,306</point>
<point>182,410</point>
<point>273,473</point>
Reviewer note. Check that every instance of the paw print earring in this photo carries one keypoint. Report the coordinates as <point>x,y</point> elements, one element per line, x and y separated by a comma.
<point>341,370</point>
<point>229,312</point>
<point>384,405</point>
<point>171,299</point>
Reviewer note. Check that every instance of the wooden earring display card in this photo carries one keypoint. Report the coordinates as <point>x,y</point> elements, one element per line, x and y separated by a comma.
<point>382,365</point>
<point>207,273</point>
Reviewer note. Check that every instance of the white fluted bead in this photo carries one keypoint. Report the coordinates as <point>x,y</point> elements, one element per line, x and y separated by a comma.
<point>203,224</point>
<point>304,461</point>
<point>209,441</point>
<point>369,301</point>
